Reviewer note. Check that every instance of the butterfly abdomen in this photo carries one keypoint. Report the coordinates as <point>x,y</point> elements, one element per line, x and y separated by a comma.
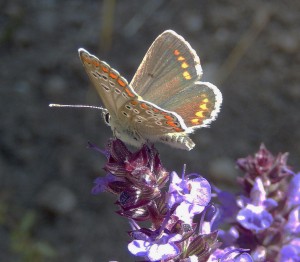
<point>180,140</point>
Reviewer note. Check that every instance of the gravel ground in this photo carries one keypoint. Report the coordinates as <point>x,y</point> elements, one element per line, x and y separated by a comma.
<point>249,49</point>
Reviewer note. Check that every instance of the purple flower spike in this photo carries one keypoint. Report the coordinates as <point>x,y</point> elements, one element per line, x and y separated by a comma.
<point>264,165</point>
<point>101,183</point>
<point>244,257</point>
<point>293,224</point>
<point>191,195</point>
<point>294,191</point>
<point>229,237</point>
<point>263,220</point>
<point>157,249</point>
<point>231,254</point>
<point>291,252</point>
<point>254,218</point>
<point>254,215</point>
<point>228,206</point>
<point>258,195</point>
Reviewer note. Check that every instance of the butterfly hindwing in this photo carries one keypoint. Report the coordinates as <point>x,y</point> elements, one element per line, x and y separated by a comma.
<point>200,106</point>
<point>148,119</point>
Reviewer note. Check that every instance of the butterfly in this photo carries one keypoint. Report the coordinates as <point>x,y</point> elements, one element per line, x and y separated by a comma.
<point>165,101</point>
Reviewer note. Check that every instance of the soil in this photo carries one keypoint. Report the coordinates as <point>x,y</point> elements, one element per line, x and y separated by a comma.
<point>249,49</point>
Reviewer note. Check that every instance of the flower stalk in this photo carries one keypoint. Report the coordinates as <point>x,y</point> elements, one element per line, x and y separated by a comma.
<point>263,221</point>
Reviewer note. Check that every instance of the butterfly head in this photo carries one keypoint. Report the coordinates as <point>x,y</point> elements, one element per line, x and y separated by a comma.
<point>106,117</point>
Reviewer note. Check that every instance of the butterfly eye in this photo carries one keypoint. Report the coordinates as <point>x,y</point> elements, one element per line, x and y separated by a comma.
<point>106,117</point>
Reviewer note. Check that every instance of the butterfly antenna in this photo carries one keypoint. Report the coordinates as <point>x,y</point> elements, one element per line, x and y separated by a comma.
<point>78,106</point>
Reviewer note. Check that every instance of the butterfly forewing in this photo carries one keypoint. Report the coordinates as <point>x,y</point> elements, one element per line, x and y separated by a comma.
<point>169,66</point>
<point>112,88</point>
<point>123,103</point>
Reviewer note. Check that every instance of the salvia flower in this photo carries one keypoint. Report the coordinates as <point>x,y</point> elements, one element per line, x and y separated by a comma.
<point>155,246</point>
<point>294,191</point>
<point>263,221</point>
<point>136,178</point>
<point>231,254</point>
<point>263,164</point>
<point>291,251</point>
<point>268,220</point>
<point>292,226</point>
<point>191,195</point>
<point>254,216</point>
<point>180,214</point>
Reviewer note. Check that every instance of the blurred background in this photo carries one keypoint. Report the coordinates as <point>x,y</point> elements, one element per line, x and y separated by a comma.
<point>249,49</point>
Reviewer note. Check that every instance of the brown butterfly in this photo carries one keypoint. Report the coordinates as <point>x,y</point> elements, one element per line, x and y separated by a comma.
<point>165,100</point>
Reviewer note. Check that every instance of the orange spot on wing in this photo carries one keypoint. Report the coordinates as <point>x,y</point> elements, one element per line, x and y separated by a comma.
<point>169,117</point>
<point>176,52</point>
<point>96,63</point>
<point>186,75</point>
<point>133,102</point>
<point>178,129</point>
<point>129,92</point>
<point>104,69</point>
<point>199,114</point>
<point>143,105</point>
<point>203,107</point>
<point>155,110</point>
<point>184,65</point>
<point>112,75</point>
<point>171,123</point>
<point>121,82</point>
<point>195,121</point>
<point>86,59</point>
<point>180,58</point>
